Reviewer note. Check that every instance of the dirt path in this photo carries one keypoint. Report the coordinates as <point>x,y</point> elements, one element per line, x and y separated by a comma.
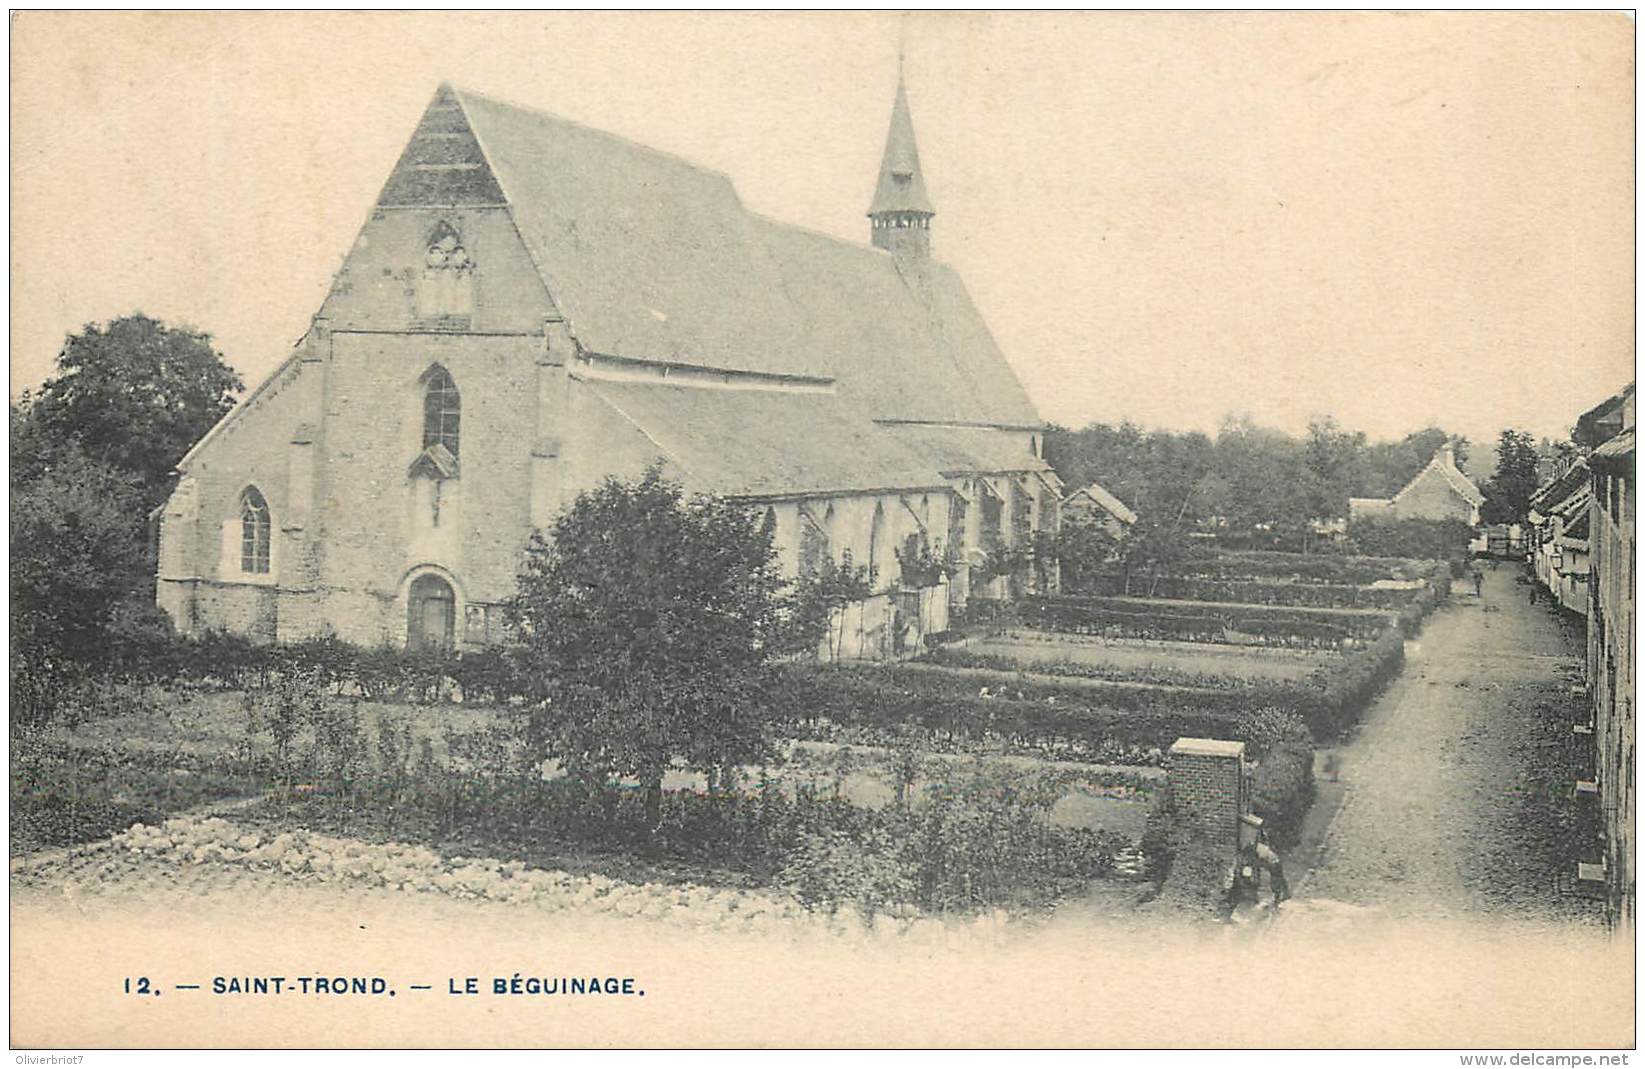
<point>1455,788</point>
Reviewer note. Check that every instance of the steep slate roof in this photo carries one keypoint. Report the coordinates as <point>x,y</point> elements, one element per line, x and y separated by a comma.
<point>653,258</point>
<point>783,443</point>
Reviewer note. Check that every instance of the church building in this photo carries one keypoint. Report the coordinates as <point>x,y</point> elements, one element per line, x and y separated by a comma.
<point>534,305</point>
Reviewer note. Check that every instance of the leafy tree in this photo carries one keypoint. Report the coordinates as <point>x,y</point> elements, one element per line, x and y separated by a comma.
<point>74,554</point>
<point>1153,546</point>
<point>1333,466</point>
<point>1263,475</point>
<point>1250,479</point>
<point>1420,539</point>
<point>1083,547</point>
<point>134,394</point>
<point>648,623</point>
<point>818,594</point>
<point>1508,493</point>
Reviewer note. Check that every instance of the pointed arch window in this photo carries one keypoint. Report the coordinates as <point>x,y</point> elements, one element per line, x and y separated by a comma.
<point>442,411</point>
<point>254,532</point>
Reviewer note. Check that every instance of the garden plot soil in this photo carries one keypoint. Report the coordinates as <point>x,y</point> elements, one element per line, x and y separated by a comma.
<point>1456,788</point>
<point>1200,658</point>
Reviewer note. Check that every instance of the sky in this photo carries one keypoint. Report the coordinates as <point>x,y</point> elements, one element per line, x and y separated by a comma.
<point>1396,220</point>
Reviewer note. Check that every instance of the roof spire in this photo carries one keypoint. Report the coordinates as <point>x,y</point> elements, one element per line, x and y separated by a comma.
<point>901,202</point>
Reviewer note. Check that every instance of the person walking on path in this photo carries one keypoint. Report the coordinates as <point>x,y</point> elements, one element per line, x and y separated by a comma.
<point>1479,581</point>
<point>1276,871</point>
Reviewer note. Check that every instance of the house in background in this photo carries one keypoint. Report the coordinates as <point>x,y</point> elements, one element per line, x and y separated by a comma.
<point>1439,491</point>
<point>1559,525</point>
<point>1608,432</point>
<point>1094,504</point>
<point>533,306</point>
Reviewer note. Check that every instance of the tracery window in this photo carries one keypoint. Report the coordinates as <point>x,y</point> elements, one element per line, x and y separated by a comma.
<point>442,411</point>
<point>254,532</point>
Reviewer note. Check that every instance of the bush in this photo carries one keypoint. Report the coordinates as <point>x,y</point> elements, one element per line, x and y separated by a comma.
<point>1282,788</point>
<point>1144,680</point>
<point>1166,619</point>
<point>981,840</point>
<point>1262,592</point>
<point>1417,539</point>
<point>1340,693</point>
<point>1296,569</point>
<point>883,707</point>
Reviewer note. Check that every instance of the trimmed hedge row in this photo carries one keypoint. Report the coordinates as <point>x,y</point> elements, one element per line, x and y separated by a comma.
<point>234,662</point>
<point>889,707</point>
<point>1254,591</point>
<point>1163,619</point>
<point>960,657</point>
<point>1303,567</point>
<point>882,704</point>
<point>1330,699</point>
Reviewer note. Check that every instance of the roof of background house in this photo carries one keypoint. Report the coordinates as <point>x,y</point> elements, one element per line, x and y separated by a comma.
<point>1111,504</point>
<point>1606,419</point>
<point>1576,503</point>
<point>1576,530</point>
<point>1570,481</point>
<point>1615,457</point>
<point>1444,462</point>
<point>650,257</point>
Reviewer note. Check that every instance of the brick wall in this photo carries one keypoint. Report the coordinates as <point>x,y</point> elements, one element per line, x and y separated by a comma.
<point>1207,788</point>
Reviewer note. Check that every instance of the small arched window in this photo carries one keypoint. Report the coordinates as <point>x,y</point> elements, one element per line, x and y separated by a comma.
<point>442,411</point>
<point>878,545</point>
<point>254,532</point>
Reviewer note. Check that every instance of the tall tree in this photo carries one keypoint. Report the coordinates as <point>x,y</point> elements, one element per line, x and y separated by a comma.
<point>135,394</point>
<point>75,551</point>
<point>649,623</point>
<point>1333,461</point>
<point>1508,493</point>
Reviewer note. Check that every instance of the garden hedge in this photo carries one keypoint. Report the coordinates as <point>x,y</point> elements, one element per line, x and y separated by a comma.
<point>1202,622</point>
<point>1252,591</point>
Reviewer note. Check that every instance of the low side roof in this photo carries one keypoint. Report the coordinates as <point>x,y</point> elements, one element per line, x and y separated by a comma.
<point>962,450</point>
<point>785,443</point>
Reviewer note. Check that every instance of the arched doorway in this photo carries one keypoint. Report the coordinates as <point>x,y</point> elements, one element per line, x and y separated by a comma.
<point>431,615</point>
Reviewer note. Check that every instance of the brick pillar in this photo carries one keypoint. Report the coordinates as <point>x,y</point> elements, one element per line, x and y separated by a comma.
<point>1207,785</point>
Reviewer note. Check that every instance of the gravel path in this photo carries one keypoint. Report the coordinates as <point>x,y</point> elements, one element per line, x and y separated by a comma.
<point>1455,805</point>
